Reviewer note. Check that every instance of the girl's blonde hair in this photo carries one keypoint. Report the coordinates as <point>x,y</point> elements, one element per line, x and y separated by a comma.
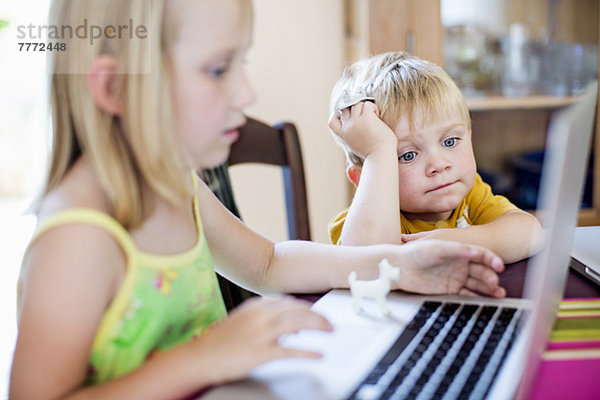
<point>133,152</point>
<point>401,84</point>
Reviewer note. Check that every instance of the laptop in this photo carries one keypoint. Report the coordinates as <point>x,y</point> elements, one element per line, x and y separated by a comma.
<point>444,347</point>
<point>585,255</point>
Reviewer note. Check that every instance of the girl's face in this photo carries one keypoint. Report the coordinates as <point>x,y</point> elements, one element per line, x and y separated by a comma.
<point>210,87</point>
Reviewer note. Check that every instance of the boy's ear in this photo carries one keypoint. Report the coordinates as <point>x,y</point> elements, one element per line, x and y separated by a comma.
<point>353,173</point>
<point>101,79</point>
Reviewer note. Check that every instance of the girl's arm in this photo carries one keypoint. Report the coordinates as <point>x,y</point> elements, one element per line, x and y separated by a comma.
<point>514,236</point>
<point>68,279</point>
<point>72,273</point>
<point>254,262</point>
<point>374,215</point>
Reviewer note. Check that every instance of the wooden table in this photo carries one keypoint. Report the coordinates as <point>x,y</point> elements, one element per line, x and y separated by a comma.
<point>513,277</point>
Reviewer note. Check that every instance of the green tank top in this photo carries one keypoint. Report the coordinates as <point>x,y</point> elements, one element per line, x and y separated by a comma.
<point>163,300</point>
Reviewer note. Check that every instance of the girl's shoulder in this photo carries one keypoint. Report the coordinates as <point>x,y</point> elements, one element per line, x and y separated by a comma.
<point>71,253</point>
<point>79,219</point>
<point>68,226</point>
<point>75,230</point>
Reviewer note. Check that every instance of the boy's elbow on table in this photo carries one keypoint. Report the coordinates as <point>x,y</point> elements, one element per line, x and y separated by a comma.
<point>525,236</point>
<point>538,237</point>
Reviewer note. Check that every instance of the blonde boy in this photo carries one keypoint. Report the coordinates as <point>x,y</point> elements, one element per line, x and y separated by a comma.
<point>410,156</point>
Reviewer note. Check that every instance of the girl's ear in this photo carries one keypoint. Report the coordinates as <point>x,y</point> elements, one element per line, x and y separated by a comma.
<point>353,173</point>
<point>101,79</point>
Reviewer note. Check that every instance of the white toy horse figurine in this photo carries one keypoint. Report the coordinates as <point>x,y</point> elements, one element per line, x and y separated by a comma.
<point>376,289</point>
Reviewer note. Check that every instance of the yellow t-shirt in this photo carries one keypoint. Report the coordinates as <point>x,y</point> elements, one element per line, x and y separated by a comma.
<point>478,207</point>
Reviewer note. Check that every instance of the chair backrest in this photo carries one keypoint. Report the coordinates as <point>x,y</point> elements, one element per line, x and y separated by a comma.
<point>277,145</point>
<point>274,145</point>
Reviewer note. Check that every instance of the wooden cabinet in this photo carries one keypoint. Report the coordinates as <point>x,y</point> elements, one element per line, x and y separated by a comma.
<point>502,126</point>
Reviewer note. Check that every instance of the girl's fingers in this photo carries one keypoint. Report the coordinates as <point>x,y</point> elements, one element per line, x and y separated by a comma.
<point>286,352</point>
<point>478,286</point>
<point>499,293</point>
<point>481,287</point>
<point>485,257</point>
<point>467,292</point>
<point>296,320</point>
<point>483,274</point>
<point>286,315</point>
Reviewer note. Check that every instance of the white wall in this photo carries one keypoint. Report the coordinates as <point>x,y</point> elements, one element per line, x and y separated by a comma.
<point>22,159</point>
<point>297,56</point>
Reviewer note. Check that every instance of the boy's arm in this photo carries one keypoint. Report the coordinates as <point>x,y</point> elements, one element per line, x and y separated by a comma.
<point>513,236</point>
<point>374,215</point>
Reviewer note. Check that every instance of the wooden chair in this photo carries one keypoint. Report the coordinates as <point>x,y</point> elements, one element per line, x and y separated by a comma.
<point>273,145</point>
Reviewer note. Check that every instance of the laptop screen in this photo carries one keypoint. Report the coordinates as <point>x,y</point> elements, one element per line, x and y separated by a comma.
<point>567,152</point>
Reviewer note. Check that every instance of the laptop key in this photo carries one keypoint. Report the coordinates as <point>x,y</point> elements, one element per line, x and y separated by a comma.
<point>407,335</point>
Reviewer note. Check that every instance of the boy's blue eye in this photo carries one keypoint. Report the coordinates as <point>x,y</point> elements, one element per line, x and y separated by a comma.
<point>450,142</point>
<point>408,156</point>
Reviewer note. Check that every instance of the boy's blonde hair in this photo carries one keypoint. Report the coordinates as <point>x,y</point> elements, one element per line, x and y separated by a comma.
<point>138,150</point>
<point>401,84</point>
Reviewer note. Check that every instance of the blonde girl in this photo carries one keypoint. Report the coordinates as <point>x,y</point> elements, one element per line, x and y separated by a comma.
<point>118,294</point>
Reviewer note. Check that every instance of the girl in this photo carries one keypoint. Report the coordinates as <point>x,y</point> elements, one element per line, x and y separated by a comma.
<point>118,295</point>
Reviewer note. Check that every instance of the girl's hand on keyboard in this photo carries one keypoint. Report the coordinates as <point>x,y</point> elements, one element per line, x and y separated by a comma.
<point>250,336</point>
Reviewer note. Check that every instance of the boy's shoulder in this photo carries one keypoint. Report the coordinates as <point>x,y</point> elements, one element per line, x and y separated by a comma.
<point>479,190</point>
<point>484,205</point>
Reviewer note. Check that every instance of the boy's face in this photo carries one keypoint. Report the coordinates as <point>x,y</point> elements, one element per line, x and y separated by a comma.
<point>436,165</point>
<point>210,87</point>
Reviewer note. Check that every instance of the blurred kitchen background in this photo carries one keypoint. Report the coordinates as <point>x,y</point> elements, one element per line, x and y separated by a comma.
<point>536,54</point>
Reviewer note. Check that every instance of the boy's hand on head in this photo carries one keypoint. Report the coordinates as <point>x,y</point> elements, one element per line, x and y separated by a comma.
<point>249,335</point>
<point>361,128</point>
<point>444,267</point>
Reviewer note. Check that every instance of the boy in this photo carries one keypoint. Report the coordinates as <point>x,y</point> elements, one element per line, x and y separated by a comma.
<point>410,156</point>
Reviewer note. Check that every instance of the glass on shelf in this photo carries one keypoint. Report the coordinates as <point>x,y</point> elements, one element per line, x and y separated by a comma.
<point>470,58</point>
<point>518,73</point>
<point>567,68</point>
<point>515,66</point>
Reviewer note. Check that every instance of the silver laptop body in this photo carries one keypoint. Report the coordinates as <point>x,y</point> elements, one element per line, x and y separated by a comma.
<point>585,253</point>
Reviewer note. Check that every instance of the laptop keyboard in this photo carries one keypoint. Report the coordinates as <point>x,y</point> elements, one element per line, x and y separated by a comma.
<point>447,351</point>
